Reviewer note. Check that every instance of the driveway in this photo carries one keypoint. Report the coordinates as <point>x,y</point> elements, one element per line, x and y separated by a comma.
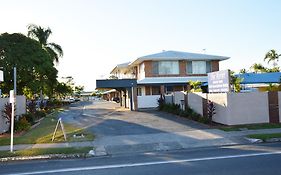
<point>108,119</point>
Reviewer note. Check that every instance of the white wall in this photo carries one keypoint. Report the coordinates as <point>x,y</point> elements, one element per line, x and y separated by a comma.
<point>234,108</point>
<point>20,109</point>
<point>141,72</point>
<point>245,108</point>
<point>195,102</point>
<point>178,96</point>
<point>220,102</point>
<point>148,101</point>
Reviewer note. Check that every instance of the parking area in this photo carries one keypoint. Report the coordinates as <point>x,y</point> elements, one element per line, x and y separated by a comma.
<point>108,119</point>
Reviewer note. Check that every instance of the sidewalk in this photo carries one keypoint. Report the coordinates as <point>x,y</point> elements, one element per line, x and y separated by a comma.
<point>156,142</point>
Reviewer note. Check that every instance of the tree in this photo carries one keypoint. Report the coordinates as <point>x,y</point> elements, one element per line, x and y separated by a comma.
<point>257,67</point>
<point>78,90</point>
<point>35,67</point>
<point>243,71</point>
<point>235,82</point>
<point>272,56</point>
<point>42,35</point>
<point>195,86</point>
<point>63,90</point>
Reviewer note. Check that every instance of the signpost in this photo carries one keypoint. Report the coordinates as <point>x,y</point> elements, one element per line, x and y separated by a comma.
<point>1,80</point>
<point>12,101</point>
<point>219,81</point>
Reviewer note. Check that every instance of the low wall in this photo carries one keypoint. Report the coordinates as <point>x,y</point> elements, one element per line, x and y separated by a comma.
<point>195,102</point>
<point>148,101</point>
<point>20,109</point>
<point>220,102</point>
<point>240,108</point>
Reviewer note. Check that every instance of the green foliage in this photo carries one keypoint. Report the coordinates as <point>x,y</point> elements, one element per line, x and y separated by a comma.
<point>78,90</point>
<point>188,113</point>
<point>22,125</point>
<point>35,68</point>
<point>243,71</point>
<point>272,56</point>
<point>195,86</point>
<point>29,117</point>
<point>235,82</point>
<point>42,34</point>
<point>39,114</point>
<point>63,89</point>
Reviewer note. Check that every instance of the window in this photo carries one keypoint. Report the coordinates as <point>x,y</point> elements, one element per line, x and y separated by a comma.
<point>198,67</point>
<point>139,93</point>
<point>155,90</point>
<point>168,67</point>
<point>169,89</point>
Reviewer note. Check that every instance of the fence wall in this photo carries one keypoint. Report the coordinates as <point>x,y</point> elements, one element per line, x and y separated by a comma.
<point>149,101</point>
<point>20,109</point>
<point>234,108</point>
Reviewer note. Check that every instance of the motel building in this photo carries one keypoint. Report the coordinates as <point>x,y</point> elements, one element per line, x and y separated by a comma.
<point>139,84</point>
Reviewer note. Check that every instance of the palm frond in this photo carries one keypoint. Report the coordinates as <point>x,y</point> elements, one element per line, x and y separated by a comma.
<point>57,48</point>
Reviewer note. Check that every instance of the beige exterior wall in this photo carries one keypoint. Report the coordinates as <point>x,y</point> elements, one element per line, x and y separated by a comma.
<point>20,109</point>
<point>195,102</point>
<point>234,108</point>
<point>220,101</point>
<point>245,108</point>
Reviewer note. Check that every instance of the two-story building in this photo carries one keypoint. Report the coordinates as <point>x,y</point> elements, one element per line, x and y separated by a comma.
<point>140,83</point>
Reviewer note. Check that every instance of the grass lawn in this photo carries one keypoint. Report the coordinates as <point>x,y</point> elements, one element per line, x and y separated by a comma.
<point>265,136</point>
<point>44,132</point>
<point>251,127</point>
<point>37,151</point>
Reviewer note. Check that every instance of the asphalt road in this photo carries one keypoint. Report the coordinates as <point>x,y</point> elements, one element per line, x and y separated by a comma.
<point>246,159</point>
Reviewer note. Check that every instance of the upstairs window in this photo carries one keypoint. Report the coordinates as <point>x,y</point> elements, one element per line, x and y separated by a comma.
<point>165,67</point>
<point>198,67</point>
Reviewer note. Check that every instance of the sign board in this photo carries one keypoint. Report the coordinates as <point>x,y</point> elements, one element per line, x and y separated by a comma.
<point>219,81</point>
<point>1,76</point>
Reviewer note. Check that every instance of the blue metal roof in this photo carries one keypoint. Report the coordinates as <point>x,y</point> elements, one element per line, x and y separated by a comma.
<point>254,78</point>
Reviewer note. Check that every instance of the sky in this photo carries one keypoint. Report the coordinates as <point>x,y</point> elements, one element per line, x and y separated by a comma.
<point>98,34</point>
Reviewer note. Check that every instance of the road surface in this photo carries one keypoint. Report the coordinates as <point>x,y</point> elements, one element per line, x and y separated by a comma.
<point>245,159</point>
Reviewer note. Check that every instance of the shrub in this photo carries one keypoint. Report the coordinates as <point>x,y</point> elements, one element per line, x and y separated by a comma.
<point>39,114</point>
<point>205,120</point>
<point>31,106</point>
<point>29,117</point>
<point>188,113</point>
<point>22,125</point>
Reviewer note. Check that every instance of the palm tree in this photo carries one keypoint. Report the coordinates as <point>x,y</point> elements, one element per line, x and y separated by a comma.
<point>258,68</point>
<point>41,35</point>
<point>273,56</point>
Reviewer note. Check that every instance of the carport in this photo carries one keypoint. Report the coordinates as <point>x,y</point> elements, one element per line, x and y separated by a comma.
<point>126,88</point>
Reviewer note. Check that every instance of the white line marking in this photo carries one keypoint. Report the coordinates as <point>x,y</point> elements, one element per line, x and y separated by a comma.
<point>146,163</point>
